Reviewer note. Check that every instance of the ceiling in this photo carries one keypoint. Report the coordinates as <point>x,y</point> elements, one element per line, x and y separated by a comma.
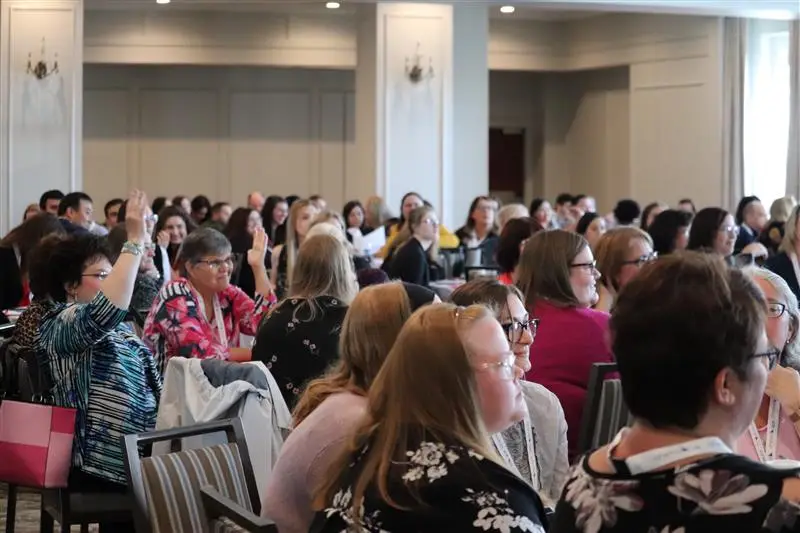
<point>525,9</point>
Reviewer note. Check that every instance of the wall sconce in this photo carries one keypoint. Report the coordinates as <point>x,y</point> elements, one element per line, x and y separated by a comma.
<point>414,69</point>
<point>40,70</point>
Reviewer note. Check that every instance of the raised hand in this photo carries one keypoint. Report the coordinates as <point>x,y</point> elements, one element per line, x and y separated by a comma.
<point>255,255</point>
<point>135,212</point>
<point>162,239</point>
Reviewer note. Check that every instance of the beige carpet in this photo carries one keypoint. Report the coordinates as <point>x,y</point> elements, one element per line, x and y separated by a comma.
<point>27,512</point>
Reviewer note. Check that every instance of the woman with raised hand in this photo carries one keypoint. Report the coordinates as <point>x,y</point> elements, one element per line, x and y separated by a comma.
<point>96,364</point>
<point>201,314</point>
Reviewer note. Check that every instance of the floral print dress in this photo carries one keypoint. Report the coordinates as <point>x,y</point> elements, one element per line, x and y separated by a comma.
<point>299,340</point>
<point>460,490</point>
<point>725,494</point>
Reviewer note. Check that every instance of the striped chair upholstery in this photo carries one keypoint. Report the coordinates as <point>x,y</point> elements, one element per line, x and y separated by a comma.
<point>172,485</point>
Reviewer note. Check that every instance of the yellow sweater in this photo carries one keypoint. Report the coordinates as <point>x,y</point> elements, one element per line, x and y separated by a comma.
<point>447,240</point>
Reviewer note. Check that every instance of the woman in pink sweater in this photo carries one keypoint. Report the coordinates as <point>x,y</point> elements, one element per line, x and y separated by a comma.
<point>557,274</point>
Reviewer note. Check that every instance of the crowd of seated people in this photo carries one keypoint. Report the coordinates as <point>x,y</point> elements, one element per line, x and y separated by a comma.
<point>422,402</point>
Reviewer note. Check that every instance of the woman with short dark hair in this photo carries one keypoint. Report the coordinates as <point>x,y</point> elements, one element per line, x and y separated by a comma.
<point>201,314</point>
<point>670,231</point>
<point>510,243</point>
<point>97,365</point>
<point>689,338</point>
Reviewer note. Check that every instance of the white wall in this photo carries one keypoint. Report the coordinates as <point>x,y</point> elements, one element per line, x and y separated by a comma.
<point>217,131</point>
<point>659,137</point>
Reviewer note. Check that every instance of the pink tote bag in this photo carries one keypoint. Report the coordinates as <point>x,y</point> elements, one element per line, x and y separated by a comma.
<point>35,444</point>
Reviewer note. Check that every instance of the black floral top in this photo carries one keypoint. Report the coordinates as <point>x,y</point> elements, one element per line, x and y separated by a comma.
<point>725,494</point>
<point>299,340</point>
<point>460,491</point>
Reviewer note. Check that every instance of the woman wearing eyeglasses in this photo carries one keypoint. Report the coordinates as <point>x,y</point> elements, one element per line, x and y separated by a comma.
<point>620,254</point>
<point>774,435</point>
<point>95,363</point>
<point>535,448</point>
<point>558,276</point>
<point>202,315</point>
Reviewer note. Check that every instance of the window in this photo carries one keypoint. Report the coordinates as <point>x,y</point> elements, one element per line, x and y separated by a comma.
<point>766,110</point>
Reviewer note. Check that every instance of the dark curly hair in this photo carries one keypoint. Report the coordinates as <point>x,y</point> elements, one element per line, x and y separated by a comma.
<point>59,261</point>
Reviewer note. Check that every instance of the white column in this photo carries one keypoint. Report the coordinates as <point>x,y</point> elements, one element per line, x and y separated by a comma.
<point>428,136</point>
<point>40,119</point>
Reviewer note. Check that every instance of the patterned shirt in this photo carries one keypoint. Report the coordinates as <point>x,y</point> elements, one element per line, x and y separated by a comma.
<point>456,489</point>
<point>177,325</point>
<point>725,493</point>
<point>101,369</point>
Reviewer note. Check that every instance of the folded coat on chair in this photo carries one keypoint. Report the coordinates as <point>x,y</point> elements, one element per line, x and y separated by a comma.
<point>197,391</point>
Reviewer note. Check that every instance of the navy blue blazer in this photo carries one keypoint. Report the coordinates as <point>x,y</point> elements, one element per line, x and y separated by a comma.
<point>781,264</point>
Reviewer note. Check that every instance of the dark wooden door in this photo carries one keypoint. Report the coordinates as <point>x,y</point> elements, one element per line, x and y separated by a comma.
<point>507,161</point>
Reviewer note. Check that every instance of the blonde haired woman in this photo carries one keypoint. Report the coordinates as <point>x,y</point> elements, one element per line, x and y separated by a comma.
<point>775,432</point>
<point>332,406</point>
<point>779,213</point>
<point>299,338</point>
<point>785,263</point>
<point>510,212</point>
<point>422,459</point>
<point>536,447</point>
<point>620,254</point>
<point>284,256</point>
<point>415,258</point>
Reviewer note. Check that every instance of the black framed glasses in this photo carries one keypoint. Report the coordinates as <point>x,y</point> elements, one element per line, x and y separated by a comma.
<point>591,267</point>
<point>515,329</point>
<point>775,309</point>
<point>642,260</point>
<point>771,357</point>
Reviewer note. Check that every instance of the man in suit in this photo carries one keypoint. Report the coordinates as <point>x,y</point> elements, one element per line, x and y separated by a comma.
<point>75,212</point>
<point>751,217</point>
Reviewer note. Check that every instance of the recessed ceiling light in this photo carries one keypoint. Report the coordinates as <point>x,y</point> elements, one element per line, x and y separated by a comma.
<point>333,5</point>
<point>163,1</point>
<point>507,9</point>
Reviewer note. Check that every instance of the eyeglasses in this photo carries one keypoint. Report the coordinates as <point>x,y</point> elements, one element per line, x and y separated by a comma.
<point>772,357</point>
<point>641,260</point>
<point>103,274</point>
<point>775,309</point>
<point>591,267</point>
<point>515,329</point>
<point>732,231</point>
<point>216,264</point>
<point>506,368</point>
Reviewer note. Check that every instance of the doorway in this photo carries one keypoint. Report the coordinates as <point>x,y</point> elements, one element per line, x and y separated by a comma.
<point>507,164</point>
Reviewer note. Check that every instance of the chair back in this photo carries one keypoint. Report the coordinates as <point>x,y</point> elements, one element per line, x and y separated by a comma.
<point>166,488</point>
<point>604,412</point>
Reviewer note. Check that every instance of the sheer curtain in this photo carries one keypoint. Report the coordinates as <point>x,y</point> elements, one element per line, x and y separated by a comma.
<point>766,110</point>
<point>733,83</point>
<point>793,174</point>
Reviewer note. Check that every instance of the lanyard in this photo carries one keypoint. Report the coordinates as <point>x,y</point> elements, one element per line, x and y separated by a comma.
<point>658,458</point>
<point>533,464</point>
<point>222,336</point>
<point>768,451</point>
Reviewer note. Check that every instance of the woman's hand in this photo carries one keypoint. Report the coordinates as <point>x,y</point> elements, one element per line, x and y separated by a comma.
<point>255,255</point>
<point>134,216</point>
<point>162,239</point>
<point>783,384</point>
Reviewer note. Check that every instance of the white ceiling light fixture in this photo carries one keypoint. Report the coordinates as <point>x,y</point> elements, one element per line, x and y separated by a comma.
<point>333,5</point>
<point>507,10</point>
<point>163,2</point>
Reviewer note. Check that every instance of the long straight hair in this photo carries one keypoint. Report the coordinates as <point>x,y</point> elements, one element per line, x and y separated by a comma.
<point>370,328</point>
<point>426,390</point>
<point>292,238</point>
